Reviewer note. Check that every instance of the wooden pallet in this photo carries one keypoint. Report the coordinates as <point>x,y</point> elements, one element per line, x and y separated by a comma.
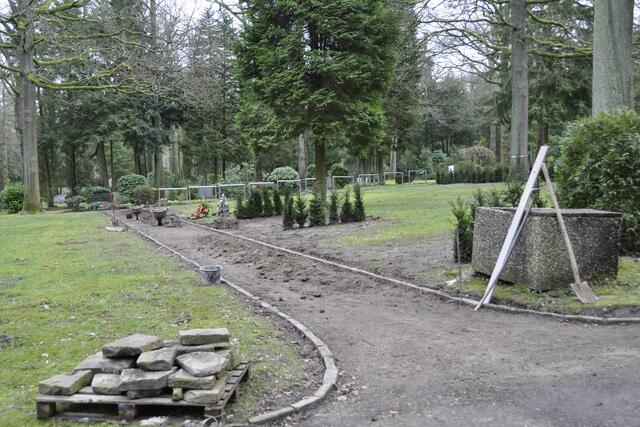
<point>128,408</point>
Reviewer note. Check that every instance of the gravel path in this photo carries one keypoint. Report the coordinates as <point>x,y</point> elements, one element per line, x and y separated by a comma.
<point>412,360</point>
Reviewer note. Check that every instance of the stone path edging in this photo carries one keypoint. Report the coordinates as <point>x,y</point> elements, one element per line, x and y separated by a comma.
<point>330,372</point>
<point>436,292</point>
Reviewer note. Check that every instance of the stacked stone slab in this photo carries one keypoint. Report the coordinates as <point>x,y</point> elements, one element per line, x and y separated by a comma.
<point>193,368</point>
<point>205,357</point>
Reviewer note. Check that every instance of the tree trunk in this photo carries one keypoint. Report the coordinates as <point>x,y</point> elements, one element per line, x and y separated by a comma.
<point>494,140</point>
<point>320,186</point>
<point>543,132</point>
<point>101,155</point>
<point>49,176</point>
<point>28,122</point>
<point>5,142</point>
<point>505,144</point>
<point>302,155</point>
<point>519,162</point>
<point>393,156</point>
<point>111,160</point>
<point>612,64</point>
<point>380,166</point>
<point>73,170</point>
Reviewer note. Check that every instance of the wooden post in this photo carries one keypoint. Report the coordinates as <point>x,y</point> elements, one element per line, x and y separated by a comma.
<point>582,290</point>
<point>127,411</point>
<point>45,410</point>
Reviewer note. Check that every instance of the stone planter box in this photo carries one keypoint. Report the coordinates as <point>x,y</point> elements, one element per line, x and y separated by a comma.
<point>539,259</point>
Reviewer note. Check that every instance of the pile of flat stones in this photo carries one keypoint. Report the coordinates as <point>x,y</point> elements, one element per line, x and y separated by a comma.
<point>193,368</point>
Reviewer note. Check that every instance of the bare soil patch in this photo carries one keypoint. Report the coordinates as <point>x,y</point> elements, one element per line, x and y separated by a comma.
<point>413,360</point>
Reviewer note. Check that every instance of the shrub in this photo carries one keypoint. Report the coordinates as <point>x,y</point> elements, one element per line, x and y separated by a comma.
<point>128,183</point>
<point>277,202</point>
<point>358,211</point>
<point>495,197</point>
<point>311,170</point>
<point>512,194</point>
<point>99,205</point>
<point>253,206</point>
<point>478,201</point>
<point>241,208</point>
<point>87,192</point>
<point>339,170</point>
<point>317,214</point>
<point>300,211</point>
<point>283,172</point>
<point>599,168</point>
<point>287,215</point>
<point>243,172</point>
<point>12,198</point>
<point>144,194</point>
<point>83,206</point>
<point>334,216</point>
<point>480,155</point>
<point>438,157</point>
<point>74,202</point>
<point>425,161</point>
<point>346,214</point>
<point>267,203</point>
<point>169,179</point>
<point>464,226</point>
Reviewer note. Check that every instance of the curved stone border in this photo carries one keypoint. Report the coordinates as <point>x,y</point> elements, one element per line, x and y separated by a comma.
<point>436,292</point>
<point>330,370</point>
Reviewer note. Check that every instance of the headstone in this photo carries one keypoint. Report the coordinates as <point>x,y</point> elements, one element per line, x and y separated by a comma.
<point>133,345</point>
<point>65,384</point>
<point>540,259</point>
<point>138,379</point>
<point>98,363</point>
<point>202,364</point>
<point>106,384</point>
<point>182,379</point>
<point>157,360</point>
<point>203,336</point>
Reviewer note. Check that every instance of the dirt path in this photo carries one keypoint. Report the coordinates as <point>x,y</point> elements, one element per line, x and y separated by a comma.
<point>413,360</point>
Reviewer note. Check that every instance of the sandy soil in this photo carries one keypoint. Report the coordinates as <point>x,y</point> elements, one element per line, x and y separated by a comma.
<point>416,260</point>
<point>413,360</point>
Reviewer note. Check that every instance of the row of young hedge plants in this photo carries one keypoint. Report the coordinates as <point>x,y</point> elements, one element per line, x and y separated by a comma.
<point>464,213</point>
<point>467,172</point>
<point>340,209</point>
<point>263,202</point>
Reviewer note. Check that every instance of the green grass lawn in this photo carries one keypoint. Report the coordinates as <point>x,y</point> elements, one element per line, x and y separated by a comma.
<point>68,286</point>
<point>411,211</point>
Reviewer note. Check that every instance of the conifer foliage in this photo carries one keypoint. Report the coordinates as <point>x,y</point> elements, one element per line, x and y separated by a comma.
<point>358,213</point>
<point>317,215</point>
<point>277,202</point>
<point>334,215</point>
<point>300,211</point>
<point>267,203</point>
<point>346,214</point>
<point>287,214</point>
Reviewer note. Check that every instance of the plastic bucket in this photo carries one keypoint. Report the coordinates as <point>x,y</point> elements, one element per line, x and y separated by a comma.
<point>210,274</point>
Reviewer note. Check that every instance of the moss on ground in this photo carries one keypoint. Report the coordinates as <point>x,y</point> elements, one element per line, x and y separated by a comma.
<point>67,286</point>
<point>623,293</point>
